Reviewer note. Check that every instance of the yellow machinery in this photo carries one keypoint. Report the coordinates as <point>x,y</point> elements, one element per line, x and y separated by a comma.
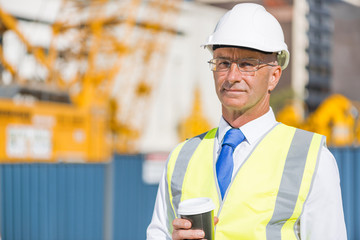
<point>76,116</point>
<point>336,118</point>
<point>43,131</point>
<point>196,123</point>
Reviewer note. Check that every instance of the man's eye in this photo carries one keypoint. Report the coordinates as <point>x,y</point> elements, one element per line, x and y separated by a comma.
<point>224,63</point>
<point>245,64</point>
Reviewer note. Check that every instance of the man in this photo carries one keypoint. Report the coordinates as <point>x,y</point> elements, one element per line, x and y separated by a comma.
<point>267,180</point>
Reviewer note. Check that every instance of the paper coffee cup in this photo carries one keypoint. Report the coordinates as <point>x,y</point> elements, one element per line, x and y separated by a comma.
<point>200,212</point>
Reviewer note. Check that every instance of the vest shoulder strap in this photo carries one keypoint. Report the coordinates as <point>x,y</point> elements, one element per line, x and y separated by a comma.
<point>176,168</point>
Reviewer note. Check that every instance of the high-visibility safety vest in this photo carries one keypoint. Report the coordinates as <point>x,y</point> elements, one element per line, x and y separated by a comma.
<point>267,195</point>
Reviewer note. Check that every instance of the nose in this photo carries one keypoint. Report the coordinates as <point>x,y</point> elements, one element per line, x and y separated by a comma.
<point>234,73</point>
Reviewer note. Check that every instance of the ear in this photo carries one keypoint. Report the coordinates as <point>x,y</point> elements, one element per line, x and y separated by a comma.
<point>275,75</point>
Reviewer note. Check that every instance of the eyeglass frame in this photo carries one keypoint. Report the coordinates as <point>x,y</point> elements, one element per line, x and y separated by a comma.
<point>237,62</point>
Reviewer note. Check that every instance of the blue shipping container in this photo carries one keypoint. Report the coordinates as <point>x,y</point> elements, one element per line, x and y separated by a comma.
<point>52,201</point>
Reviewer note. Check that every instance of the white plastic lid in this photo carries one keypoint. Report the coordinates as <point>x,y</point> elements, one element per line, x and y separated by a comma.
<point>196,206</point>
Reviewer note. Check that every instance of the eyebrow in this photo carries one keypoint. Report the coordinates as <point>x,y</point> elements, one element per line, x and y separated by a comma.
<point>227,58</point>
<point>222,56</point>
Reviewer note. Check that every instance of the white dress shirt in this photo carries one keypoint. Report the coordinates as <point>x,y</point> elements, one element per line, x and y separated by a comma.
<point>322,216</point>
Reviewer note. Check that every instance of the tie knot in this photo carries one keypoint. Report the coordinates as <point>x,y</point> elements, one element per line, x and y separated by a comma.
<point>233,137</point>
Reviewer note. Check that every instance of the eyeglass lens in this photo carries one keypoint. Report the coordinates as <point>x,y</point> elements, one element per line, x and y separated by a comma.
<point>244,65</point>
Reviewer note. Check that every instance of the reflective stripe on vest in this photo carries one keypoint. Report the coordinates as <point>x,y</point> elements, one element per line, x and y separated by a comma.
<point>294,168</point>
<point>265,198</point>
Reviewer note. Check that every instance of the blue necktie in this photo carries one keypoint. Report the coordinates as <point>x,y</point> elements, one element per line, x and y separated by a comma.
<point>225,163</point>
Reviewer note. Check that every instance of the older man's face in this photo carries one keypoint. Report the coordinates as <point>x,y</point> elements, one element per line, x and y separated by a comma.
<point>242,92</point>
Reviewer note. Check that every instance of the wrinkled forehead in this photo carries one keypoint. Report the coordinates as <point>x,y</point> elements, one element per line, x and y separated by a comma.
<point>239,53</point>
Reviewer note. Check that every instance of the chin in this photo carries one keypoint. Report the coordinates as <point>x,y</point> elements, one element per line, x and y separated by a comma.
<point>234,105</point>
<point>231,100</point>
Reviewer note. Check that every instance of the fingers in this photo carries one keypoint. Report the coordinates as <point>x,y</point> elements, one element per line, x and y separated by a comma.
<point>180,223</point>
<point>188,234</point>
<point>182,230</point>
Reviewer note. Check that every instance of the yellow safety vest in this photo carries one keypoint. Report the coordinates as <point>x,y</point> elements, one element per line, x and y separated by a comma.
<point>267,195</point>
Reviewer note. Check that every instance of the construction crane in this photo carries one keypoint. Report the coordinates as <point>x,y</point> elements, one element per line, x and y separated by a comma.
<point>101,68</point>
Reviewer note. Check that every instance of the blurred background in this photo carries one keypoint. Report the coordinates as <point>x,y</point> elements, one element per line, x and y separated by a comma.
<point>94,94</point>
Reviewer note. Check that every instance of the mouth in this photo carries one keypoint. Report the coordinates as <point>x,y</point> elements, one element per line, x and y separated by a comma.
<point>233,90</point>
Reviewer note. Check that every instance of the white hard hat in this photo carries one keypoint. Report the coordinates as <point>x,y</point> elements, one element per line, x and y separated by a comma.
<point>250,25</point>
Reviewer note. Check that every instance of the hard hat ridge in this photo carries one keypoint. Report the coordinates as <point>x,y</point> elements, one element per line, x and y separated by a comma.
<point>250,25</point>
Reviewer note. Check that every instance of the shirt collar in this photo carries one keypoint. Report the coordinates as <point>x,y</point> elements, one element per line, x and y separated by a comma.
<point>253,130</point>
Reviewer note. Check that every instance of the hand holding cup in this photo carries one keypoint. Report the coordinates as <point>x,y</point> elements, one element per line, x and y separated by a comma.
<point>197,219</point>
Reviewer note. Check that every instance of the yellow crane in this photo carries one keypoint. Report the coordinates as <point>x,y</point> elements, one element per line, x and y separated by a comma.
<point>76,116</point>
<point>336,118</point>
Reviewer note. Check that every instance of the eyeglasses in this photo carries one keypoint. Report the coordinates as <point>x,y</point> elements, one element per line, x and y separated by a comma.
<point>247,65</point>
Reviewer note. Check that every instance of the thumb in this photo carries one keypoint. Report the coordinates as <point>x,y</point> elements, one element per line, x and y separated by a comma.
<point>216,220</point>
